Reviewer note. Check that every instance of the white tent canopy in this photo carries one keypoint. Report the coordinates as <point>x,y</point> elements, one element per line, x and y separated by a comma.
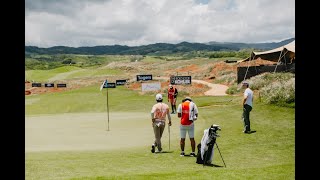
<point>289,47</point>
<point>286,52</point>
<point>282,55</point>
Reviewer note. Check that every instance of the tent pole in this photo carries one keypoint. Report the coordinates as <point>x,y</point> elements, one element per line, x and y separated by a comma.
<point>280,59</point>
<point>285,62</point>
<point>248,66</point>
<point>255,67</point>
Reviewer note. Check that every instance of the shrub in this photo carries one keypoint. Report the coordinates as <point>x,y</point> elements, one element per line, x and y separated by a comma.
<point>233,90</point>
<point>264,79</point>
<point>279,93</point>
<point>275,88</point>
<point>226,78</point>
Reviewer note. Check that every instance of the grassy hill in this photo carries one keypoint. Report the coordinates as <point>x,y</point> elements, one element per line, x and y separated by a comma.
<point>71,124</point>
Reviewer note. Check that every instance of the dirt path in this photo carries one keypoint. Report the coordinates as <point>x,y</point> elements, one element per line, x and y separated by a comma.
<point>216,89</point>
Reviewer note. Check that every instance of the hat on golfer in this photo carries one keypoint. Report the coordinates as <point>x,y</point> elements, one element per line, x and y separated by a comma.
<point>188,98</point>
<point>170,86</point>
<point>158,97</point>
<point>245,83</point>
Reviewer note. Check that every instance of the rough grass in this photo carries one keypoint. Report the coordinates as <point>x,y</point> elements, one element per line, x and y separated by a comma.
<point>45,75</point>
<point>275,88</point>
<point>88,99</point>
<point>90,72</point>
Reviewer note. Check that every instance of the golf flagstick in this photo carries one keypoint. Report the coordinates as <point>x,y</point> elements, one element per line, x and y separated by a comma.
<point>169,135</point>
<point>101,87</point>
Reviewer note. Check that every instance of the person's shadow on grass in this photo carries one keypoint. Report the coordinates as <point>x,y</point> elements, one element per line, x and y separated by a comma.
<point>212,165</point>
<point>163,152</point>
<point>188,155</point>
<point>250,132</point>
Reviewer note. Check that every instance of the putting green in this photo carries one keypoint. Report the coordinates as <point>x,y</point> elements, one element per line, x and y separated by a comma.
<point>89,131</point>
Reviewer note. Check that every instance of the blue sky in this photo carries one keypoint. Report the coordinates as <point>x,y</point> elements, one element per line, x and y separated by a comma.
<point>78,23</point>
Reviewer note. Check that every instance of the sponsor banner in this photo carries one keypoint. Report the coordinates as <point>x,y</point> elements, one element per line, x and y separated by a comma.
<point>109,85</point>
<point>61,85</point>
<point>49,85</point>
<point>144,77</point>
<point>36,84</point>
<point>151,86</point>
<point>121,82</point>
<point>180,79</point>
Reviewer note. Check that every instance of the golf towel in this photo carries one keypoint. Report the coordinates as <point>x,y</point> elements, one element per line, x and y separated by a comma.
<point>204,144</point>
<point>193,110</point>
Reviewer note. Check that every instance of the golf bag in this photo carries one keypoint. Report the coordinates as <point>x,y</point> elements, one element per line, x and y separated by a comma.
<point>206,147</point>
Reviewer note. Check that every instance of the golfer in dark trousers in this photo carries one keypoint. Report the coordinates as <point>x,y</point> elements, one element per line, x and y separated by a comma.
<point>247,106</point>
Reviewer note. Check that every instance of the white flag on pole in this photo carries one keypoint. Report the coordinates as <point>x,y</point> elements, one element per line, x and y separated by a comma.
<point>103,83</point>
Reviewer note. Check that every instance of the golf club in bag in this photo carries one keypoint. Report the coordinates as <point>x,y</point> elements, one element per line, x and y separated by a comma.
<point>206,147</point>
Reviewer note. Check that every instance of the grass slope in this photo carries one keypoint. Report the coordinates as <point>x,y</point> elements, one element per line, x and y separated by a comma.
<point>44,75</point>
<point>267,154</point>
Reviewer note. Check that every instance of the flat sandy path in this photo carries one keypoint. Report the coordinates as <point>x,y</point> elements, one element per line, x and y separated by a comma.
<point>216,89</point>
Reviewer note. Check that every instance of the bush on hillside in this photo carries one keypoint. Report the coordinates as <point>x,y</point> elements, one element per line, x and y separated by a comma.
<point>264,79</point>
<point>280,93</point>
<point>275,88</point>
<point>228,77</point>
<point>233,89</point>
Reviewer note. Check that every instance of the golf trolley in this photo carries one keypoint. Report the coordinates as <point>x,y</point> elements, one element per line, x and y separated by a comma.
<point>206,147</point>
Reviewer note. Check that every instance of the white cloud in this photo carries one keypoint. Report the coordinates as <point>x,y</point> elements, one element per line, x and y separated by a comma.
<point>140,22</point>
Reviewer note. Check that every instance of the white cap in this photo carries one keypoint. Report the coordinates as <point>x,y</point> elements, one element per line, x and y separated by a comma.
<point>245,83</point>
<point>158,97</point>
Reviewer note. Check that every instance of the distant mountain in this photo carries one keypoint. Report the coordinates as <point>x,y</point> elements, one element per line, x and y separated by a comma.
<point>155,49</point>
<point>260,46</point>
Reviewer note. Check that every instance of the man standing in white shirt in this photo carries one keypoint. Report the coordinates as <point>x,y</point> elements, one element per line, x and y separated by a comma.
<point>247,107</point>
